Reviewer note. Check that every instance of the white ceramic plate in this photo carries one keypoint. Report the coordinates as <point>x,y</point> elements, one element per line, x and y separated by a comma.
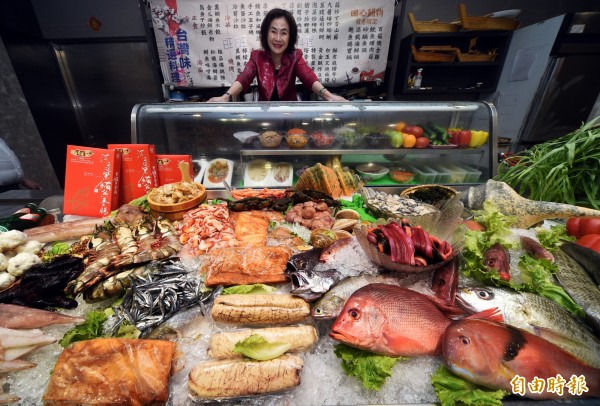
<point>505,14</point>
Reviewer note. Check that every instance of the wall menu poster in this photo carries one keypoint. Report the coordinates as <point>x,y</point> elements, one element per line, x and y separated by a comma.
<point>207,43</point>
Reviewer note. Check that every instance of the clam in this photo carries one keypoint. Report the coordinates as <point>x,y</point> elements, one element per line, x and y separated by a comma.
<point>342,234</point>
<point>347,214</point>
<point>344,224</point>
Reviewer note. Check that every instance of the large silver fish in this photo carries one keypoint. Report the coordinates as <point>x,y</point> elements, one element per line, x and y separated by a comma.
<point>587,258</point>
<point>332,302</point>
<point>537,315</point>
<point>575,280</point>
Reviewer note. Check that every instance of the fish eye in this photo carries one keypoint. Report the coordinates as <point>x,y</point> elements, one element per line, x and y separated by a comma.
<point>465,340</point>
<point>354,313</point>
<point>317,310</point>
<point>484,294</point>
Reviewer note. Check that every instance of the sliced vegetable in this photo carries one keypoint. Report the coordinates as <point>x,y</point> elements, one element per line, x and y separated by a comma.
<point>580,226</point>
<point>371,369</point>
<point>256,347</point>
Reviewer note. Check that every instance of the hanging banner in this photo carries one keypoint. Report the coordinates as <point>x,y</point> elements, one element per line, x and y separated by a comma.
<point>207,43</point>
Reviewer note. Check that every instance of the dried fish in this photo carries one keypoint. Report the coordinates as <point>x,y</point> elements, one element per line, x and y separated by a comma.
<point>153,298</point>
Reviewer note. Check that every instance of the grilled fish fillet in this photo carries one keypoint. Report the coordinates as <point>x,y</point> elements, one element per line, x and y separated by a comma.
<point>245,265</point>
<point>112,371</point>
<point>251,229</point>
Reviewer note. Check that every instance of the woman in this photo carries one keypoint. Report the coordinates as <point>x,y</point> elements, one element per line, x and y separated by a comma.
<point>277,64</point>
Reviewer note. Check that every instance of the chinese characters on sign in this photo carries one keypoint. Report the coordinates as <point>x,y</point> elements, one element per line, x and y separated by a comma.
<point>207,43</point>
<point>575,386</point>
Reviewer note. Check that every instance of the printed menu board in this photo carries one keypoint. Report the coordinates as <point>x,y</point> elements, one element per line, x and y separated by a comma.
<point>207,43</point>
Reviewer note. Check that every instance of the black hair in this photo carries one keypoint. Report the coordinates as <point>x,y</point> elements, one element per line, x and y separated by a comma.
<point>266,23</point>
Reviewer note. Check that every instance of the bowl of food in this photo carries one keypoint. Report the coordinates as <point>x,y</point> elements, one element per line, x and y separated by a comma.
<point>348,136</point>
<point>296,140</point>
<point>371,171</point>
<point>173,200</point>
<point>322,139</point>
<point>435,195</point>
<point>270,139</point>
<point>401,175</point>
<point>378,140</point>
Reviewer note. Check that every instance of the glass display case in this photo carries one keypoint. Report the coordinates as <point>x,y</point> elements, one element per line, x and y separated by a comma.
<point>350,133</point>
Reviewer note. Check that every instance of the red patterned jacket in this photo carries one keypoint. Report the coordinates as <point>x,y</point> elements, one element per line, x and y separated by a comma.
<point>261,66</point>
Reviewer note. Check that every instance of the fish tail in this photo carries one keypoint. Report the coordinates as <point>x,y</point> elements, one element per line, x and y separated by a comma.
<point>493,314</point>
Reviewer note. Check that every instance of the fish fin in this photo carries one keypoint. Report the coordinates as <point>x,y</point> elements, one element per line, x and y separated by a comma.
<point>493,314</point>
<point>505,371</point>
<point>445,307</point>
<point>555,337</point>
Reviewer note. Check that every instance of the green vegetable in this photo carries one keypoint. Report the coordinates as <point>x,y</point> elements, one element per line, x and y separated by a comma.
<point>57,248</point>
<point>255,289</point>
<point>563,170</point>
<point>371,369</point>
<point>537,278</point>
<point>358,204</point>
<point>256,347</point>
<point>551,239</point>
<point>127,330</point>
<point>90,328</point>
<point>452,390</point>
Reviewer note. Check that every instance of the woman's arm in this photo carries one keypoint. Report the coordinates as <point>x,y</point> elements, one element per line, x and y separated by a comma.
<point>320,90</point>
<point>234,90</point>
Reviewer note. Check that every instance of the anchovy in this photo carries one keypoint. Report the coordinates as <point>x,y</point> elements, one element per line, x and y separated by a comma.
<point>577,283</point>
<point>154,298</point>
<point>536,314</point>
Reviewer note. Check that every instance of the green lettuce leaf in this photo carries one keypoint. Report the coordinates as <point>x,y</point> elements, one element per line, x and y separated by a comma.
<point>256,347</point>
<point>452,390</point>
<point>551,239</point>
<point>255,289</point>
<point>371,369</point>
<point>537,276</point>
<point>57,248</point>
<point>90,328</point>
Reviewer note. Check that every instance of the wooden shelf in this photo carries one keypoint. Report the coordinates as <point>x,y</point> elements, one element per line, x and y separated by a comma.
<point>454,77</point>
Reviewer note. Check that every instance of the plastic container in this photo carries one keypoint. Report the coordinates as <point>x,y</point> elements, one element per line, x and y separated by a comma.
<point>473,174</point>
<point>457,174</point>
<point>444,174</point>
<point>423,173</point>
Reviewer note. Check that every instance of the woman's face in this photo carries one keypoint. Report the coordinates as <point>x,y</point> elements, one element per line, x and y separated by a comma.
<point>279,36</point>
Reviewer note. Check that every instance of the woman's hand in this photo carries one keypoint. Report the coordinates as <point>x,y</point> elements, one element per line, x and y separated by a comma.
<point>219,99</point>
<point>335,97</point>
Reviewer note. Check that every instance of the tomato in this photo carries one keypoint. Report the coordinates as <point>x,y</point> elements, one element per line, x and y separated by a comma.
<point>414,130</point>
<point>580,226</point>
<point>409,141</point>
<point>422,142</point>
<point>591,241</point>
